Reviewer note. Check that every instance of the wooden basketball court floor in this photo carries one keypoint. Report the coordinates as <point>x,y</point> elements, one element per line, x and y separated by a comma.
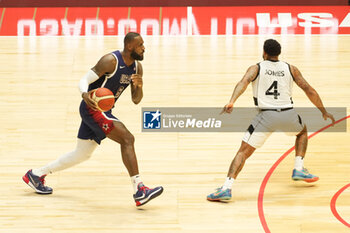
<point>39,122</point>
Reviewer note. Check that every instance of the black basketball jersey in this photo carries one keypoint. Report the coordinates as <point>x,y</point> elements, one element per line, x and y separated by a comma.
<point>119,80</point>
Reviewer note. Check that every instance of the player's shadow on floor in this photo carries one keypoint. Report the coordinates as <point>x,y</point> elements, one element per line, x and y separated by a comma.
<point>303,185</point>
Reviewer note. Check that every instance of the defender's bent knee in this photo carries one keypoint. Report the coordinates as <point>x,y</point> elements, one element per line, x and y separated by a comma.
<point>302,132</point>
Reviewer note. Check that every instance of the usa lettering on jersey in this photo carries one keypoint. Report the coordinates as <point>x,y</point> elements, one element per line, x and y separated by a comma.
<point>125,79</point>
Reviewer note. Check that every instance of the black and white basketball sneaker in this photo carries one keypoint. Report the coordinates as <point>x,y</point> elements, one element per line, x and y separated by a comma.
<point>37,183</point>
<point>145,194</point>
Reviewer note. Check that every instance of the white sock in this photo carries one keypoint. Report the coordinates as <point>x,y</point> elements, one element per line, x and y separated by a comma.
<point>135,180</point>
<point>228,183</point>
<point>299,163</point>
<point>82,152</point>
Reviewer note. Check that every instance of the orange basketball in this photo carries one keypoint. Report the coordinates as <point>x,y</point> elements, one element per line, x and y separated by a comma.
<point>104,99</point>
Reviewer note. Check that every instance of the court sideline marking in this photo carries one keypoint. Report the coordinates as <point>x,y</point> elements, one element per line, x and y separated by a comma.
<point>272,169</point>
<point>333,208</point>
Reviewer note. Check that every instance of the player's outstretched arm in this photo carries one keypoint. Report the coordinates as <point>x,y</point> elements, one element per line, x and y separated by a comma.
<point>310,92</point>
<point>241,86</point>
<point>137,83</point>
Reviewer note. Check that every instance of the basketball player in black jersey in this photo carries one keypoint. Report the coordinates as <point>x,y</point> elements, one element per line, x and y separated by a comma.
<point>115,71</point>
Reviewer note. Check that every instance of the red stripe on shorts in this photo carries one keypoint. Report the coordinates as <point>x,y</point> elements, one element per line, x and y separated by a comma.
<point>105,124</point>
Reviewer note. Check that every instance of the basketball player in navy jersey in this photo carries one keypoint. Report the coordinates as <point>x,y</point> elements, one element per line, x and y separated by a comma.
<point>272,87</point>
<point>115,71</point>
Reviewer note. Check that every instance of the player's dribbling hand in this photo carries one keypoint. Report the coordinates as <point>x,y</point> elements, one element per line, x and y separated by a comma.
<point>328,115</point>
<point>136,80</point>
<point>227,108</point>
<point>89,101</point>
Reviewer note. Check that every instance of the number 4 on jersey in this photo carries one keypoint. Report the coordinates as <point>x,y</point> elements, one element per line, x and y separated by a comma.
<point>275,92</point>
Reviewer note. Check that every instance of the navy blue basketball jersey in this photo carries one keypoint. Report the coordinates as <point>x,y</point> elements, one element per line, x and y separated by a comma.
<point>119,80</point>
